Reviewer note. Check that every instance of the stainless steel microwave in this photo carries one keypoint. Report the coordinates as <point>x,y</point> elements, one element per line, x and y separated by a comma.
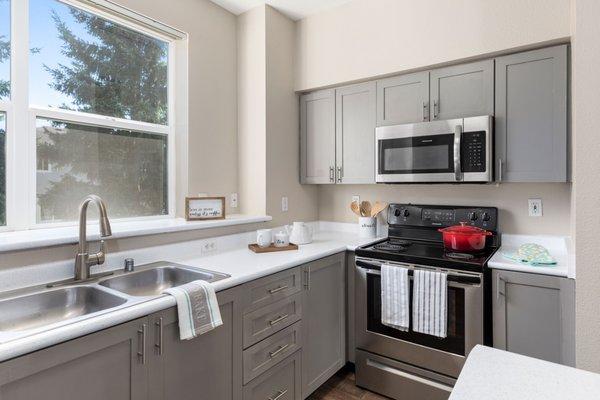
<point>454,150</point>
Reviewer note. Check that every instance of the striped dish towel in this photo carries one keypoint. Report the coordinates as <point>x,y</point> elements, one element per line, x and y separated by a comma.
<point>429,303</point>
<point>197,308</point>
<point>394,297</point>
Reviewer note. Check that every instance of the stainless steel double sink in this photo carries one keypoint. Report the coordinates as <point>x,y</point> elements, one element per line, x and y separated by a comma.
<point>37,309</point>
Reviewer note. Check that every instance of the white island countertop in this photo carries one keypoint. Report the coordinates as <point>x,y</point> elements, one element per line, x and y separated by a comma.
<point>493,374</point>
<point>237,261</point>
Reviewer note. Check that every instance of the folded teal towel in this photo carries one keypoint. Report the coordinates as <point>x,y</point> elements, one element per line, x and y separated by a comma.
<point>531,254</point>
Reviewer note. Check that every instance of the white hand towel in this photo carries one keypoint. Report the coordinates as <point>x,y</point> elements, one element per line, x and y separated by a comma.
<point>197,308</point>
<point>394,297</point>
<point>429,303</point>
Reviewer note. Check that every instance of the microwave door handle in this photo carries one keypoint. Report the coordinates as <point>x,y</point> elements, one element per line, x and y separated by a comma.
<point>457,139</point>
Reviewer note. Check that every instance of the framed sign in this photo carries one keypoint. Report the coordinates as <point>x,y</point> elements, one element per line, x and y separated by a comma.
<point>202,208</point>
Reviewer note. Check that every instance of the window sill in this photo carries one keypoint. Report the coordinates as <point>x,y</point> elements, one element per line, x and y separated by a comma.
<point>45,237</point>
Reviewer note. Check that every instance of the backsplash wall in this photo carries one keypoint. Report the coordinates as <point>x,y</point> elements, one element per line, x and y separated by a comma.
<point>510,198</point>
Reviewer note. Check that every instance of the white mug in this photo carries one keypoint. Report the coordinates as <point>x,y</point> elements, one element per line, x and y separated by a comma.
<point>282,239</point>
<point>264,237</point>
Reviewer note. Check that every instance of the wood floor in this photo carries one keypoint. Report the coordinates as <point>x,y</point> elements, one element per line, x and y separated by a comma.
<point>342,386</point>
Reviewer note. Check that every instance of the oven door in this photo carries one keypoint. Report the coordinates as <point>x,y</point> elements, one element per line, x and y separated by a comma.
<point>445,356</point>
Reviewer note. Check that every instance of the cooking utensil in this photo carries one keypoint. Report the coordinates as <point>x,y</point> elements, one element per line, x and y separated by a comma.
<point>464,238</point>
<point>379,207</point>
<point>355,207</point>
<point>365,209</point>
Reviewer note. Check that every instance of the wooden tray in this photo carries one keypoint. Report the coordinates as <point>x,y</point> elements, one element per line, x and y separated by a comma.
<point>257,249</point>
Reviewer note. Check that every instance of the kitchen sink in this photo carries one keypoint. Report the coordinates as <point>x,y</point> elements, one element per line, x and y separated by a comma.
<point>45,308</point>
<point>152,281</point>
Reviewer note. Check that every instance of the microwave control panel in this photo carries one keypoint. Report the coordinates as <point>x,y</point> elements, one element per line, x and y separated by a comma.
<point>473,152</point>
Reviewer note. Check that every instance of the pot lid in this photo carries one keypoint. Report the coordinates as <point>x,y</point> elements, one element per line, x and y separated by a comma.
<point>464,229</point>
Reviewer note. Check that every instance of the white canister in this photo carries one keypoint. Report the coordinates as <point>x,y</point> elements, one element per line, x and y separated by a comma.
<point>264,237</point>
<point>367,227</point>
<point>282,239</point>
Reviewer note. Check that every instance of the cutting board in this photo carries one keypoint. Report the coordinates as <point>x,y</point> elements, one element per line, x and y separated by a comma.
<point>257,249</point>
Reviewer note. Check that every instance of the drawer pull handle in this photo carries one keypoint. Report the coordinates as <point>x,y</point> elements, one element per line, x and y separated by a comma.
<point>278,351</point>
<point>279,395</point>
<point>278,319</point>
<point>278,289</point>
<point>142,354</point>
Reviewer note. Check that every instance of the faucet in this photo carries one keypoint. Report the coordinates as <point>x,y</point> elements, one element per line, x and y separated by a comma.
<point>84,260</point>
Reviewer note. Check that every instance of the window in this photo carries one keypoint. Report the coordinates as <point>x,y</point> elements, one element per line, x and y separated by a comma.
<point>95,106</point>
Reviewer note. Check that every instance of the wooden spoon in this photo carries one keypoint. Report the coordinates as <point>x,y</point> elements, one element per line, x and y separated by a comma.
<point>379,207</point>
<point>365,209</point>
<point>355,208</point>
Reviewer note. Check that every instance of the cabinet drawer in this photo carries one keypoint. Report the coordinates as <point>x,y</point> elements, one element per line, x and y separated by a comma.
<point>281,382</point>
<point>265,321</point>
<point>272,288</point>
<point>265,354</point>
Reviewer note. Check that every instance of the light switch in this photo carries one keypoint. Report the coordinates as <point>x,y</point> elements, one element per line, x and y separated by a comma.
<point>535,208</point>
<point>284,204</point>
<point>233,200</point>
<point>356,199</point>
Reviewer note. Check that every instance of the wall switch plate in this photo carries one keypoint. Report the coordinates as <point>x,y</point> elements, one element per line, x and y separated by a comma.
<point>284,204</point>
<point>535,207</point>
<point>233,200</point>
<point>356,199</point>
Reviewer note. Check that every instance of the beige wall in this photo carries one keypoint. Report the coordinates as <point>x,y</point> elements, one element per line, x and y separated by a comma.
<point>365,38</point>
<point>586,190</point>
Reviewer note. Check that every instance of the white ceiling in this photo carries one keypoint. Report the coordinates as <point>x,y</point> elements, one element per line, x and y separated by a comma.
<point>295,9</point>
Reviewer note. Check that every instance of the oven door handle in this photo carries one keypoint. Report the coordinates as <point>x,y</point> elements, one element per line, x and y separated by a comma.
<point>457,144</point>
<point>367,265</point>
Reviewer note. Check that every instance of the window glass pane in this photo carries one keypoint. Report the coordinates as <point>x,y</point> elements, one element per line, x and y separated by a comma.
<point>86,63</point>
<point>2,169</point>
<point>127,169</point>
<point>4,49</point>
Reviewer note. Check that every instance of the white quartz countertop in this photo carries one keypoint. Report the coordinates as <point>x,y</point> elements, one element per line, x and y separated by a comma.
<point>558,246</point>
<point>238,261</point>
<point>493,374</point>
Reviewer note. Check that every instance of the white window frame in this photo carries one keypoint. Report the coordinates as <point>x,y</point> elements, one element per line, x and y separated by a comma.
<point>21,160</point>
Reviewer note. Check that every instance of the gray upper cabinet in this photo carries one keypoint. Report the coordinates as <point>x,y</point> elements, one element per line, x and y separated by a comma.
<point>403,99</point>
<point>534,315</point>
<point>531,116</point>
<point>317,137</point>
<point>465,90</point>
<point>355,133</point>
<point>323,321</point>
<point>100,366</point>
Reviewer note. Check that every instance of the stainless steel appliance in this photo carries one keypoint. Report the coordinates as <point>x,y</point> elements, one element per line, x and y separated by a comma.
<point>454,150</point>
<point>407,365</point>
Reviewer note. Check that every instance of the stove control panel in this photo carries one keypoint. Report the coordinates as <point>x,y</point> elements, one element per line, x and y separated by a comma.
<point>407,215</point>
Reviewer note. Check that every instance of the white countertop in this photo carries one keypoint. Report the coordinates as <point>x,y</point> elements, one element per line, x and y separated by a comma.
<point>238,261</point>
<point>558,246</point>
<point>493,374</point>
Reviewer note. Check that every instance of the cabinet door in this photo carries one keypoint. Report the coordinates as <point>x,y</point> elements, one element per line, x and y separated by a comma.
<point>99,366</point>
<point>403,99</point>
<point>531,116</point>
<point>465,90</point>
<point>204,368</point>
<point>317,137</point>
<point>323,321</point>
<point>533,315</point>
<point>355,133</point>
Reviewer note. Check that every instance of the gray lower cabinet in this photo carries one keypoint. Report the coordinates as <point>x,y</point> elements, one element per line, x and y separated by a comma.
<point>465,90</point>
<point>205,368</point>
<point>281,383</point>
<point>531,116</point>
<point>533,315</point>
<point>99,366</point>
<point>317,137</point>
<point>355,133</point>
<point>403,99</point>
<point>323,321</point>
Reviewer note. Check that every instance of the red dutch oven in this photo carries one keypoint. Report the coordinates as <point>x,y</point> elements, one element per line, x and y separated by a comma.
<point>464,238</point>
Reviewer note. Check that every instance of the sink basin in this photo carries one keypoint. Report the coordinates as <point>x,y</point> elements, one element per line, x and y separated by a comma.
<point>153,281</point>
<point>41,309</point>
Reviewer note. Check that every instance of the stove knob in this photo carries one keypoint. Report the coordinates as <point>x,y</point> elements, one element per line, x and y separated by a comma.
<point>397,213</point>
<point>473,216</point>
<point>405,213</point>
<point>485,216</point>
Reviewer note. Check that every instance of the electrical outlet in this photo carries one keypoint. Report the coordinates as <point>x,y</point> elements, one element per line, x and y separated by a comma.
<point>208,247</point>
<point>535,207</point>
<point>233,200</point>
<point>356,199</point>
<point>284,204</point>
